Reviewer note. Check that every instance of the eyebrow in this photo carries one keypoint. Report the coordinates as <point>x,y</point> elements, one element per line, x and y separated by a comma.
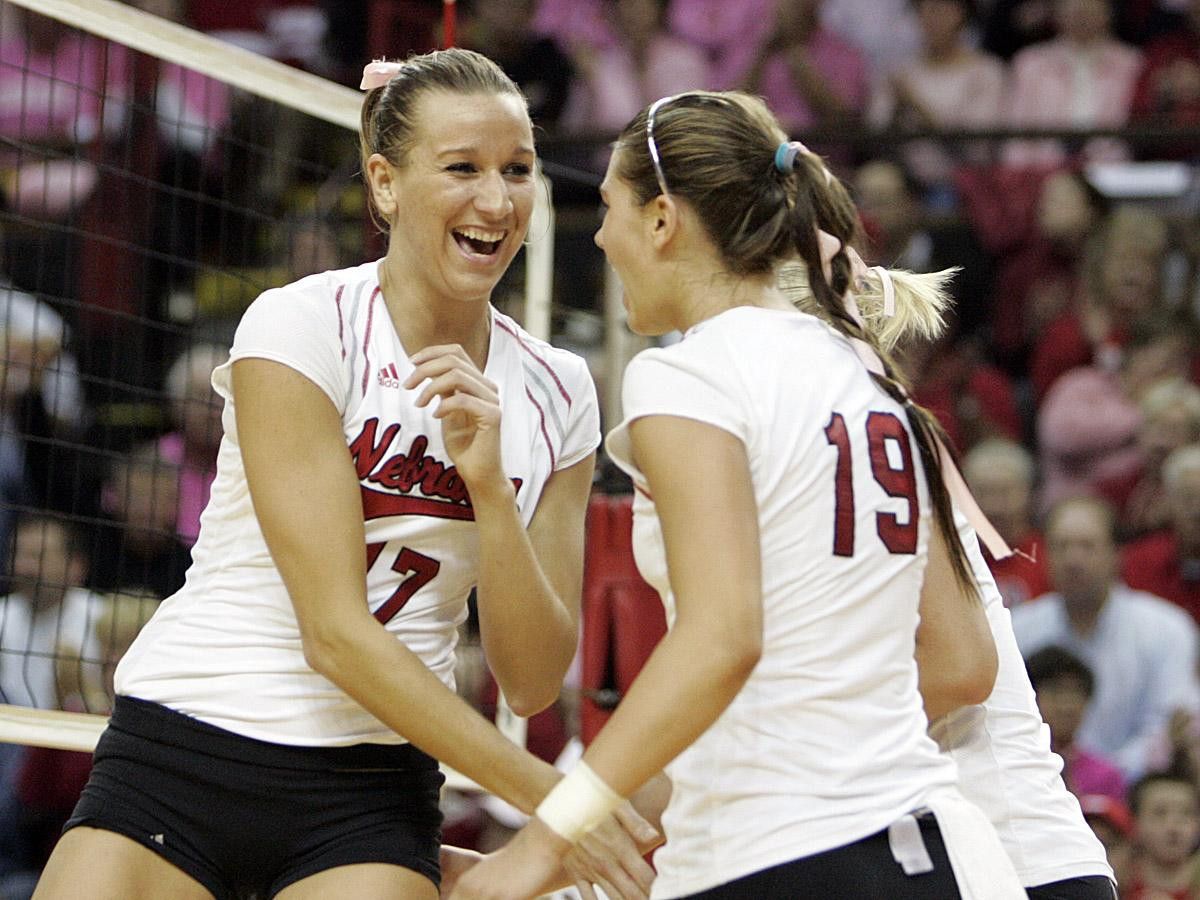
<point>466,151</point>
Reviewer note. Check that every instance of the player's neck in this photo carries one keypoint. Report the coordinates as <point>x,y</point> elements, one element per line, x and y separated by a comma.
<point>424,321</point>
<point>709,293</point>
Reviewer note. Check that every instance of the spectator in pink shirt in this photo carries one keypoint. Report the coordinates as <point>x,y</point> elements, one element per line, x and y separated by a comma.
<point>808,75</point>
<point>1089,422</point>
<point>52,83</point>
<point>1170,420</point>
<point>949,84</point>
<point>192,446</point>
<point>54,94</point>
<point>729,34</point>
<point>570,22</point>
<point>1064,685</point>
<point>885,31</point>
<point>1083,78</point>
<point>637,62</point>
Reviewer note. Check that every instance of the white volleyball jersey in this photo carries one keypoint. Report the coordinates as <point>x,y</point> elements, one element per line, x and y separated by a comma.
<point>826,742</point>
<point>1005,763</point>
<point>226,648</point>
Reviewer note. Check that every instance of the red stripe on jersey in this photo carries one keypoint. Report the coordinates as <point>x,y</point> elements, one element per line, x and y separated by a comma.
<point>545,365</point>
<point>337,299</point>
<point>542,424</point>
<point>367,339</point>
<point>380,505</point>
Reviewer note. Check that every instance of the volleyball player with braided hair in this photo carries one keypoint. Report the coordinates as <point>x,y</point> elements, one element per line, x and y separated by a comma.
<point>791,511</point>
<point>1002,746</point>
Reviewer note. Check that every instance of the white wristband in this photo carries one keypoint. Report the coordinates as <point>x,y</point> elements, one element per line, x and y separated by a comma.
<point>578,803</point>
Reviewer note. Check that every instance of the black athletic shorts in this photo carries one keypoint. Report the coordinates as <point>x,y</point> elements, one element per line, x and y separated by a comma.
<point>1090,887</point>
<point>247,817</point>
<point>864,870</point>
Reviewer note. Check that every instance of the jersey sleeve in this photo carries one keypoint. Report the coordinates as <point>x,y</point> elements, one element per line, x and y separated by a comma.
<point>582,433</point>
<point>297,328</point>
<point>673,382</point>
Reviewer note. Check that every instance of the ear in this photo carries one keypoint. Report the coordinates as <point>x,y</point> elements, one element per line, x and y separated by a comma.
<point>381,176</point>
<point>662,220</point>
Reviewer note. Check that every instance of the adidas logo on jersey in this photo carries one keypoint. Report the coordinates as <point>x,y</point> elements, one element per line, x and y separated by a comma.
<point>388,376</point>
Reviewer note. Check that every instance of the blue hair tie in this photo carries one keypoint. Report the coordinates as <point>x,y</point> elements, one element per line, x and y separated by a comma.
<point>785,156</point>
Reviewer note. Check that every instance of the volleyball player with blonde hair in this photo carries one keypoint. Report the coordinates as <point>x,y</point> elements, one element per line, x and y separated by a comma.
<point>391,441</point>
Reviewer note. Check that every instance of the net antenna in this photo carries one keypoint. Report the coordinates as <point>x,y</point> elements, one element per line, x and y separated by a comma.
<point>449,23</point>
<point>317,97</point>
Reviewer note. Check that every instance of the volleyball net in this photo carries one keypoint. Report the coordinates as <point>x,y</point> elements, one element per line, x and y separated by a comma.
<point>153,181</point>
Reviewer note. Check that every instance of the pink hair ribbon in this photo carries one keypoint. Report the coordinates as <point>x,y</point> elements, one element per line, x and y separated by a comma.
<point>378,73</point>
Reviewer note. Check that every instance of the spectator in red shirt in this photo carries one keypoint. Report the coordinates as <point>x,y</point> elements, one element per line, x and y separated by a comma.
<point>1168,90</point>
<point>1001,474</point>
<point>1122,281</point>
<point>808,75</point>
<point>1167,563</point>
<point>972,399</point>
<point>1165,864</point>
<point>904,236</point>
<point>1039,281</point>
<point>1170,420</point>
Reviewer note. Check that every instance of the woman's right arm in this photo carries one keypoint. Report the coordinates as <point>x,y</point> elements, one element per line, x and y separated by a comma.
<point>307,501</point>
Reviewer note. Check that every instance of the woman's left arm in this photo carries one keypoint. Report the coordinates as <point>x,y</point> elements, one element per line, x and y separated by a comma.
<point>529,587</point>
<point>699,476</point>
<point>529,581</point>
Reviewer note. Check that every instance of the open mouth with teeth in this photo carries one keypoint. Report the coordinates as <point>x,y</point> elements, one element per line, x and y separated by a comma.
<point>478,241</point>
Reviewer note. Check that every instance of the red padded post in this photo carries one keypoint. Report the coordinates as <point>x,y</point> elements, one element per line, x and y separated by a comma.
<point>622,618</point>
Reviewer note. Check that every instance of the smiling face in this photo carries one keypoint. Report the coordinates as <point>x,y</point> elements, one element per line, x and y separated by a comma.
<point>460,201</point>
<point>622,237</point>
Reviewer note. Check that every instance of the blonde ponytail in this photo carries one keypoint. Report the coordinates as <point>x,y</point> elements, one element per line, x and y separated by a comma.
<point>921,302</point>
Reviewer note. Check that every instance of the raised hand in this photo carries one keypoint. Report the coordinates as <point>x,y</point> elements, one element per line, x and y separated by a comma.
<point>468,405</point>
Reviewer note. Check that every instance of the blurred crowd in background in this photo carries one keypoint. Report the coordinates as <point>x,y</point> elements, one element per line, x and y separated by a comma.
<point>1047,148</point>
